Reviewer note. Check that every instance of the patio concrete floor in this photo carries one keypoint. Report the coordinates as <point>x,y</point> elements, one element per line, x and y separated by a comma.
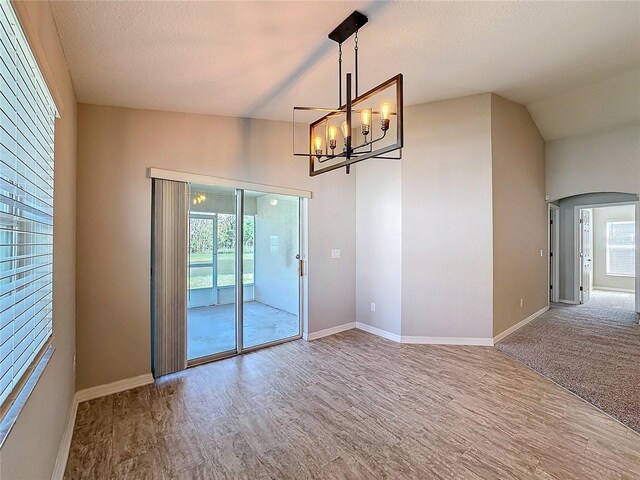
<point>212,329</point>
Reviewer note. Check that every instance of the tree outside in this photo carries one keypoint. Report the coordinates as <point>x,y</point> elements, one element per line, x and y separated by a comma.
<point>201,250</point>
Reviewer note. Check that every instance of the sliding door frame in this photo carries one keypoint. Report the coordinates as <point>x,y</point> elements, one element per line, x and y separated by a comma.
<point>153,172</point>
<point>239,271</point>
<point>303,248</point>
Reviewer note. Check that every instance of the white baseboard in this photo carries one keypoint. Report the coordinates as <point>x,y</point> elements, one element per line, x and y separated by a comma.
<point>329,331</point>
<point>610,289</point>
<point>570,302</point>
<point>113,387</point>
<point>520,324</point>
<point>477,341</point>
<point>378,331</point>
<point>65,442</point>
<point>424,340</point>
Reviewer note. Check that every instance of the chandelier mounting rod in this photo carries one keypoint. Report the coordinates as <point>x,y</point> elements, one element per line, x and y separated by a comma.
<point>339,75</point>
<point>342,32</point>
<point>356,61</point>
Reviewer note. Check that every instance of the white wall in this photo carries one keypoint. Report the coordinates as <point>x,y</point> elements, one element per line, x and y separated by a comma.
<point>608,103</point>
<point>379,244</point>
<point>600,218</point>
<point>602,161</point>
<point>277,243</point>
<point>447,239</point>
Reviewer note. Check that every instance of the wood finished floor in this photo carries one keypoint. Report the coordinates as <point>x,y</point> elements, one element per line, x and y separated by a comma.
<point>352,406</point>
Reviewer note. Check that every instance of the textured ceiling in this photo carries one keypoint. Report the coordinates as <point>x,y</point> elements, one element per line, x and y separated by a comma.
<point>611,102</point>
<point>258,59</point>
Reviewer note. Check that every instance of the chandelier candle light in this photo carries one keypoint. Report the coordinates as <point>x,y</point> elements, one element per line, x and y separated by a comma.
<point>370,140</point>
<point>199,199</point>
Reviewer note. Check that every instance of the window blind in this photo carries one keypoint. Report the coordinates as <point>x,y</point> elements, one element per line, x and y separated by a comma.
<point>621,249</point>
<point>27,116</point>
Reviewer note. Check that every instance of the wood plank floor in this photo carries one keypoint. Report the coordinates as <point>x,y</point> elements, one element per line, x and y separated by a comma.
<point>352,406</point>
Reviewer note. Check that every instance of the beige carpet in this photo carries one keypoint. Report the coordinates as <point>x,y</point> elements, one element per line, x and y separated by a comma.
<point>593,350</point>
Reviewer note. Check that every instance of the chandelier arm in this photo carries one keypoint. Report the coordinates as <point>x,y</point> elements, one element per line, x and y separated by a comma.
<point>371,142</point>
<point>326,158</point>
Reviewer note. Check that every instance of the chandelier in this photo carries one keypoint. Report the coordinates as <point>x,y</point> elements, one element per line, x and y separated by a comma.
<point>365,126</point>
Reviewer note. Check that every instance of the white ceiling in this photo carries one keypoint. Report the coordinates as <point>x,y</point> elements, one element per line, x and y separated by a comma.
<point>258,59</point>
<point>611,102</point>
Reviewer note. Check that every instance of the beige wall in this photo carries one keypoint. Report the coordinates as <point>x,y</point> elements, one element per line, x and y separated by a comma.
<point>115,146</point>
<point>473,222</point>
<point>446,219</point>
<point>30,450</point>
<point>379,244</point>
<point>607,160</point>
<point>600,218</point>
<point>519,215</point>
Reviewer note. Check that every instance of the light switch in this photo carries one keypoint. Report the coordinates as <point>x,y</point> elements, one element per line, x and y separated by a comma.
<point>335,254</point>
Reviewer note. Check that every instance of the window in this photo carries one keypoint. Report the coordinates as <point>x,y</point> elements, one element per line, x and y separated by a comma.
<point>212,243</point>
<point>226,271</point>
<point>201,234</point>
<point>621,249</point>
<point>27,115</point>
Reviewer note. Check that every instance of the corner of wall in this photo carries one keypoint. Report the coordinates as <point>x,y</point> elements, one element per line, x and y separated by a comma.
<point>519,215</point>
<point>446,189</point>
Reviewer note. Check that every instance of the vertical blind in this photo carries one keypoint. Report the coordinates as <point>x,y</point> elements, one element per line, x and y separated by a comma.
<point>169,276</point>
<point>621,248</point>
<point>27,116</point>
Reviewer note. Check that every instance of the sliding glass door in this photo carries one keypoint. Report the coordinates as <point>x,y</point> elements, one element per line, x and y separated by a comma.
<point>211,312</point>
<point>262,254</point>
<point>271,313</point>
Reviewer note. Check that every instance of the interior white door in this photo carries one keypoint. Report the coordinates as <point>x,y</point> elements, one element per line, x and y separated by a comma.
<point>586,249</point>
<point>553,254</point>
<point>552,249</point>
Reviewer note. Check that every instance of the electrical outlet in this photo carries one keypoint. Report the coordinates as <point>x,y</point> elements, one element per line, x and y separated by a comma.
<point>541,253</point>
<point>521,302</point>
<point>336,253</point>
<point>373,307</point>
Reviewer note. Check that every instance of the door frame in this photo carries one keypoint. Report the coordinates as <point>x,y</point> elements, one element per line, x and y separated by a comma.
<point>153,172</point>
<point>303,311</point>
<point>576,253</point>
<point>302,276</point>
<point>554,253</point>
